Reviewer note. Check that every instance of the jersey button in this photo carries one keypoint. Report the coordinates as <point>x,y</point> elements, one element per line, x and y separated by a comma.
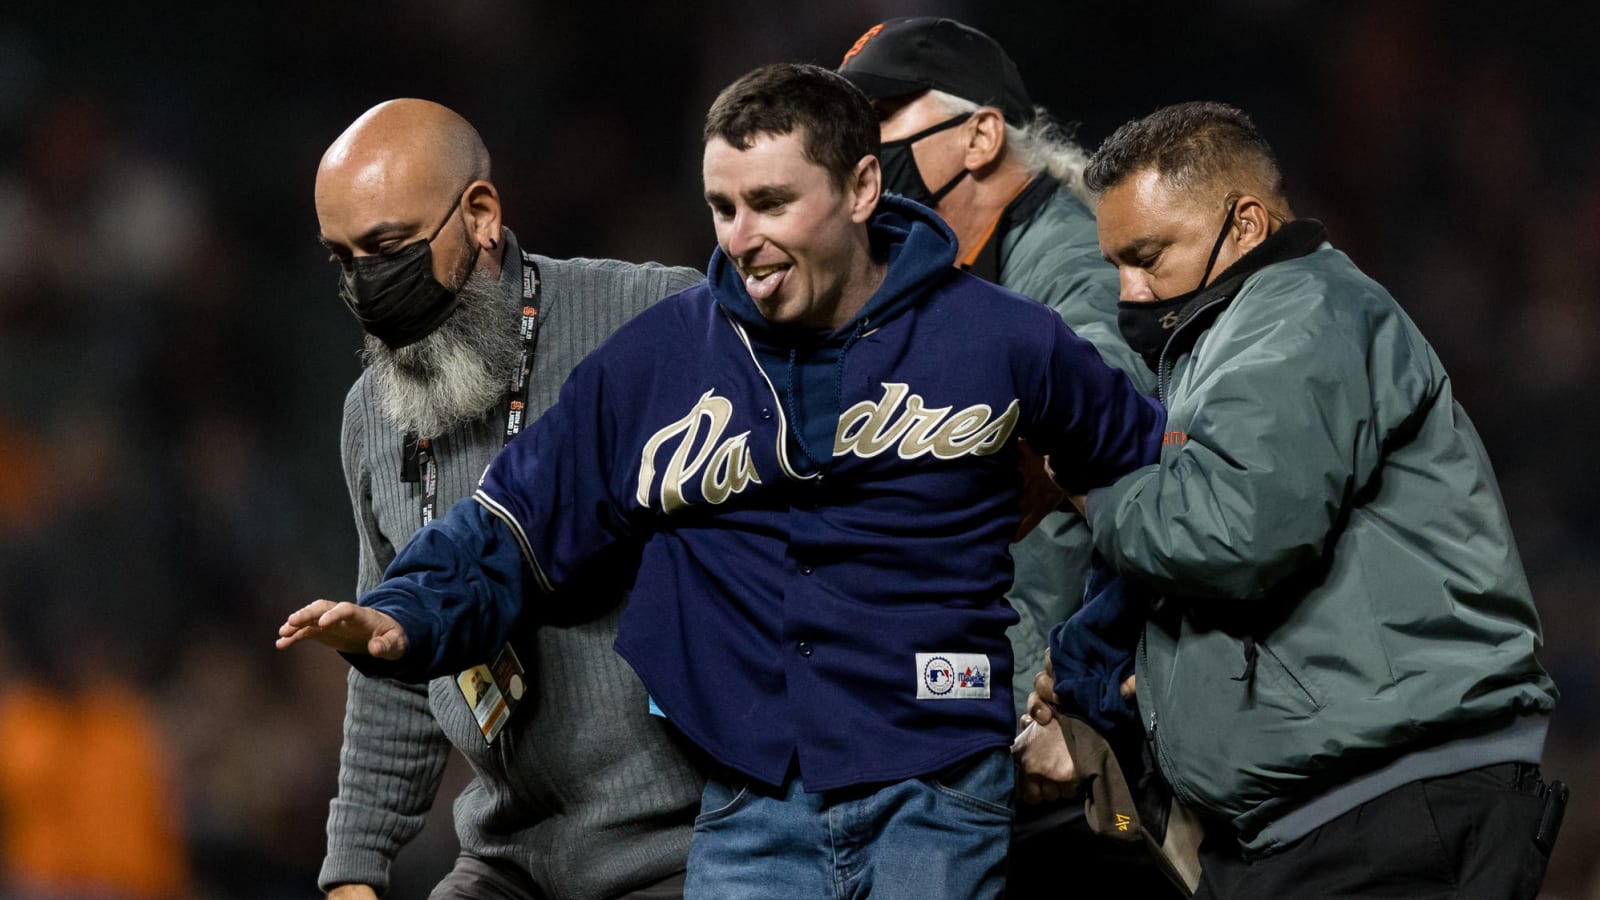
<point>805,649</point>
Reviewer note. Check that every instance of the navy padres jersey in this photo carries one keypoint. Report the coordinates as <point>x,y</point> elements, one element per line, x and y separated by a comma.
<point>850,614</point>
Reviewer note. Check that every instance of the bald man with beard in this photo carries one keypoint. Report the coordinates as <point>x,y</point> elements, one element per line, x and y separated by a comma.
<point>469,337</point>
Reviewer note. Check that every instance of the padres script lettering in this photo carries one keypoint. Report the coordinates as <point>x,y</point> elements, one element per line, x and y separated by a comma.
<point>869,428</point>
<point>899,419</point>
<point>730,469</point>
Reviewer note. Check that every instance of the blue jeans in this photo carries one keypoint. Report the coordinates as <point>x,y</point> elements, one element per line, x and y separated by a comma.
<point>944,835</point>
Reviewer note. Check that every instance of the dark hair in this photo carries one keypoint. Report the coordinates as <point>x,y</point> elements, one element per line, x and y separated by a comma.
<point>840,126</point>
<point>1189,145</point>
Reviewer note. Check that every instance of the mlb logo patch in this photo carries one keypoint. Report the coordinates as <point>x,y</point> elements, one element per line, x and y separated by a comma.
<point>952,676</point>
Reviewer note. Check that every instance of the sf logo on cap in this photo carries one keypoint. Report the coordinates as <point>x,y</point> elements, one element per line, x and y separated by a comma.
<point>861,42</point>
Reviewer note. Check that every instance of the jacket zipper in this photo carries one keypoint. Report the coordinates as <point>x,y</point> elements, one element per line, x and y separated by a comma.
<point>1163,371</point>
<point>1168,771</point>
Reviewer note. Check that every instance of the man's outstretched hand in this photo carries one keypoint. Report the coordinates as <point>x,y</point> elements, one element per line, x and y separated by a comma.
<point>345,627</point>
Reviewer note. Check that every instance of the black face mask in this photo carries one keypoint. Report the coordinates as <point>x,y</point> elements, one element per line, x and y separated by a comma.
<point>1146,325</point>
<point>394,295</point>
<point>900,172</point>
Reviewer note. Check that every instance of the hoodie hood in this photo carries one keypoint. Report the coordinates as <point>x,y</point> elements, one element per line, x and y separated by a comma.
<point>917,244</point>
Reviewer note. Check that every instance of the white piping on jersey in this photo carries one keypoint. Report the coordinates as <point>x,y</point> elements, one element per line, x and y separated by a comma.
<point>504,515</point>
<point>783,427</point>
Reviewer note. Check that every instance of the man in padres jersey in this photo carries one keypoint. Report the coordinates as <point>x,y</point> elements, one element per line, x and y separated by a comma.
<point>810,463</point>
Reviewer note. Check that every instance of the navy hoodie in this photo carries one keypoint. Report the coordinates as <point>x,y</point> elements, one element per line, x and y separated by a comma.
<point>843,615</point>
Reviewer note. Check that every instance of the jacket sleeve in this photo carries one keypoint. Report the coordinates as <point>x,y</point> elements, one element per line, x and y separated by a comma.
<point>456,590</point>
<point>1275,431</point>
<point>394,754</point>
<point>1092,653</point>
<point>1092,421</point>
<point>559,489</point>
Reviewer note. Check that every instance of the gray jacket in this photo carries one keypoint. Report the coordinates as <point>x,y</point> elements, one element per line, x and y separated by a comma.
<point>583,789</point>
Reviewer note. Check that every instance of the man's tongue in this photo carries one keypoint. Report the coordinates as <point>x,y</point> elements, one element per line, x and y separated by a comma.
<point>765,286</point>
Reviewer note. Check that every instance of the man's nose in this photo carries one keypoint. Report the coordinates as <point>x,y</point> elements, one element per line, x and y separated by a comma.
<point>744,234</point>
<point>1133,285</point>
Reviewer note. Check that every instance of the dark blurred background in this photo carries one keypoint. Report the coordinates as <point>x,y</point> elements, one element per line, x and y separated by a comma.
<point>173,358</point>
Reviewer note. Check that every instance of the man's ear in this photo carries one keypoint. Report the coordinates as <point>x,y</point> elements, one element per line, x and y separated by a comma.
<point>1252,222</point>
<point>865,187</point>
<point>986,138</point>
<point>481,209</point>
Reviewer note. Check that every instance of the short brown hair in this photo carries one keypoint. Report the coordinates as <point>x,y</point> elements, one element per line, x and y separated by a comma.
<point>838,123</point>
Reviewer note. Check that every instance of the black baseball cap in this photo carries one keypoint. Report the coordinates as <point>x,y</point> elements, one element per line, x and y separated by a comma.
<point>908,56</point>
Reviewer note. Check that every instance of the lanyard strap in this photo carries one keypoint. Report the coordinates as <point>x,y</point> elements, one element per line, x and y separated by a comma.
<point>418,452</point>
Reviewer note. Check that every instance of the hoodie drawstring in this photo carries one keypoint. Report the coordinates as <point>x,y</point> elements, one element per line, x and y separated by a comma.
<point>838,371</point>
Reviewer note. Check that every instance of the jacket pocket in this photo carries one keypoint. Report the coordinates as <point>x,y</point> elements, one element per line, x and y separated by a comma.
<point>982,783</point>
<point>1287,679</point>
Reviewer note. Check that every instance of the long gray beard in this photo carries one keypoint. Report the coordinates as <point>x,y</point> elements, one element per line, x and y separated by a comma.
<point>455,375</point>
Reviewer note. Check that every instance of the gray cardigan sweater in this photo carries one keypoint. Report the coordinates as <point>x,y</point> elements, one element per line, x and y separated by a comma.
<point>583,789</point>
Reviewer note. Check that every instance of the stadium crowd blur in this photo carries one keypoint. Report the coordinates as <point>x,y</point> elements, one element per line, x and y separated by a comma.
<point>173,358</point>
